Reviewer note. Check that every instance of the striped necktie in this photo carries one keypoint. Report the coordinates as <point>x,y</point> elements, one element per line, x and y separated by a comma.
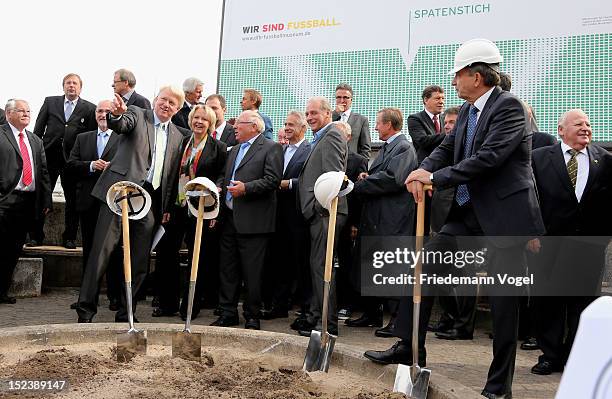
<point>572,166</point>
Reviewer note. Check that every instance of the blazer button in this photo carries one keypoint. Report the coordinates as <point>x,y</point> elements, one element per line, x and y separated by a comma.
<point>66,125</point>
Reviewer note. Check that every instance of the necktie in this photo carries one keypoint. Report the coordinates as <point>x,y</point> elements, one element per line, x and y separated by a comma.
<point>241,152</point>
<point>68,110</point>
<point>463,196</point>
<point>436,123</point>
<point>26,176</point>
<point>125,100</point>
<point>343,117</point>
<point>101,143</point>
<point>572,166</point>
<point>214,134</point>
<point>384,150</point>
<point>160,152</point>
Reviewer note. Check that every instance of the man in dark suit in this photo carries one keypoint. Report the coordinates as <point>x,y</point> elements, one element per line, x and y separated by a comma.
<point>425,127</point>
<point>148,154</point>
<point>60,120</point>
<point>91,154</point>
<point>124,83</point>
<point>2,117</point>
<point>25,190</point>
<point>290,253</point>
<point>355,165</point>
<point>573,180</point>
<point>328,154</point>
<point>487,156</point>
<point>360,127</point>
<point>193,88</point>
<point>223,130</point>
<point>252,175</point>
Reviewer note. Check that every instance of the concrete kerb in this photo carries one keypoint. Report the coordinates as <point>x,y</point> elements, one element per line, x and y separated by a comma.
<point>344,356</point>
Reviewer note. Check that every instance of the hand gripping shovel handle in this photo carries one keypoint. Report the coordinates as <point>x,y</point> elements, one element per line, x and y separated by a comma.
<point>127,257</point>
<point>329,257</point>
<point>195,261</point>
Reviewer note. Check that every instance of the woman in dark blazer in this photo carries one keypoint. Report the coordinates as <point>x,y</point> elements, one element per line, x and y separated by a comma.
<point>202,156</point>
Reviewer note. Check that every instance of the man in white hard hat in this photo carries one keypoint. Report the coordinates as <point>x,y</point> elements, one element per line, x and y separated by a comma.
<point>487,158</point>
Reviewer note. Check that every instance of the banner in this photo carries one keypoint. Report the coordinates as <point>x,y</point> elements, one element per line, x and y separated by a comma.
<point>559,56</point>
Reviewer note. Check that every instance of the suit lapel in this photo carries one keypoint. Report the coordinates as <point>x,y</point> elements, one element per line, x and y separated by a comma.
<point>77,109</point>
<point>150,131</point>
<point>460,131</point>
<point>208,147</point>
<point>428,122</point>
<point>173,142</point>
<point>296,155</point>
<point>112,140</point>
<point>558,163</point>
<point>11,137</point>
<point>35,151</point>
<point>593,169</point>
<point>225,133</point>
<point>253,148</point>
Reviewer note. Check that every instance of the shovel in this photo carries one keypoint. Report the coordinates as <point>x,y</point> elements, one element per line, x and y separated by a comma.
<point>321,344</point>
<point>133,342</point>
<point>185,344</point>
<point>414,380</point>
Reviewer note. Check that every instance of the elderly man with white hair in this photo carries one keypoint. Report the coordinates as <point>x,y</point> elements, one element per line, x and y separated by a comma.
<point>193,88</point>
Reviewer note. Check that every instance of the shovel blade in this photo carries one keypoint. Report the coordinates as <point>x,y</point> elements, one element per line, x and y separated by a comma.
<point>187,345</point>
<point>130,344</point>
<point>412,381</point>
<point>319,351</point>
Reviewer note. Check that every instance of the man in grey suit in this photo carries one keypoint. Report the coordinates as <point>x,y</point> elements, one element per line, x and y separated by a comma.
<point>329,152</point>
<point>252,175</point>
<point>124,83</point>
<point>360,127</point>
<point>148,154</point>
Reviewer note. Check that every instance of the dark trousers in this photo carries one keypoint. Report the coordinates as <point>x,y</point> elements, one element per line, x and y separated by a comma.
<point>241,260</point>
<point>108,237</point>
<point>504,309</point>
<point>318,246</point>
<point>71,216</point>
<point>16,216</point>
<point>114,271</point>
<point>348,295</point>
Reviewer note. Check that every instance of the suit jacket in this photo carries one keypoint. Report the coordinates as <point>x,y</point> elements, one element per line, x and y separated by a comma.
<point>85,151</point>
<point>288,211</point>
<point>211,163</point>
<point>269,130</point>
<point>498,174</point>
<point>11,166</point>
<point>181,118</point>
<point>360,133</point>
<point>228,136</point>
<point>260,170</point>
<point>134,155</point>
<point>540,140</point>
<point>2,117</point>
<point>423,133</point>
<point>58,134</point>
<point>355,164</point>
<point>139,101</point>
<point>328,154</point>
<point>387,207</point>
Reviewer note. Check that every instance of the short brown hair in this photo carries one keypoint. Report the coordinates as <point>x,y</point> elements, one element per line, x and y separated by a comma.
<point>430,90</point>
<point>393,115</point>
<point>71,75</point>
<point>255,96</point>
<point>345,86</point>
<point>219,97</point>
<point>451,111</point>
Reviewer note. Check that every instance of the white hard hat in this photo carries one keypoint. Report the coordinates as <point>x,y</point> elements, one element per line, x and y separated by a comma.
<point>476,50</point>
<point>202,187</point>
<point>329,186</point>
<point>139,200</point>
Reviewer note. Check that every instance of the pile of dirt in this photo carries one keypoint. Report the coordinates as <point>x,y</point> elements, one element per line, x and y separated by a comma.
<point>92,372</point>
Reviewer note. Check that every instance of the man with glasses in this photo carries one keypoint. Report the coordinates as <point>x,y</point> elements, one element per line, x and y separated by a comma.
<point>124,82</point>
<point>360,127</point>
<point>59,121</point>
<point>24,188</point>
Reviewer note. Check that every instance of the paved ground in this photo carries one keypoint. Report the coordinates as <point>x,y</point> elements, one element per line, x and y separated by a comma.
<point>463,361</point>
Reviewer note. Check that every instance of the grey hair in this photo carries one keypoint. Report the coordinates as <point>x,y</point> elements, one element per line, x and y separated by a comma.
<point>255,118</point>
<point>324,105</point>
<point>344,128</point>
<point>300,116</point>
<point>564,115</point>
<point>128,76</point>
<point>190,84</point>
<point>11,104</point>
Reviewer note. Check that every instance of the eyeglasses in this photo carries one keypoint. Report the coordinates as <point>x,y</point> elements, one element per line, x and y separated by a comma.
<point>238,122</point>
<point>118,81</point>
<point>343,98</point>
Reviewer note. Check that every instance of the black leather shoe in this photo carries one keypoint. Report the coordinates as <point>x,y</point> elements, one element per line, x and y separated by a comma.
<point>400,352</point>
<point>225,321</point>
<point>544,367</point>
<point>439,326</point>
<point>454,334</point>
<point>490,395</point>
<point>386,331</point>
<point>10,300</point>
<point>252,324</point>
<point>124,319</point>
<point>69,244</point>
<point>83,320</point>
<point>301,324</point>
<point>530,344</point>
<point>113,305</point>
<point>306,333</point>
<point>218,312</point>
<point>274,313</point>
<point>365,321</point>
<point>159,312</point>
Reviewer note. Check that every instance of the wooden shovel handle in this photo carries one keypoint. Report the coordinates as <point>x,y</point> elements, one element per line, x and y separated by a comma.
<point>125,225</point>
<point>331,231</point>
<point>195,260</point>
<point>420,231</point>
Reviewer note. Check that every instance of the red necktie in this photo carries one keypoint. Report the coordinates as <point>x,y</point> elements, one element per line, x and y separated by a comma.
<point>436,123</point>
<point>214,134</point>
<point>26,176</point>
